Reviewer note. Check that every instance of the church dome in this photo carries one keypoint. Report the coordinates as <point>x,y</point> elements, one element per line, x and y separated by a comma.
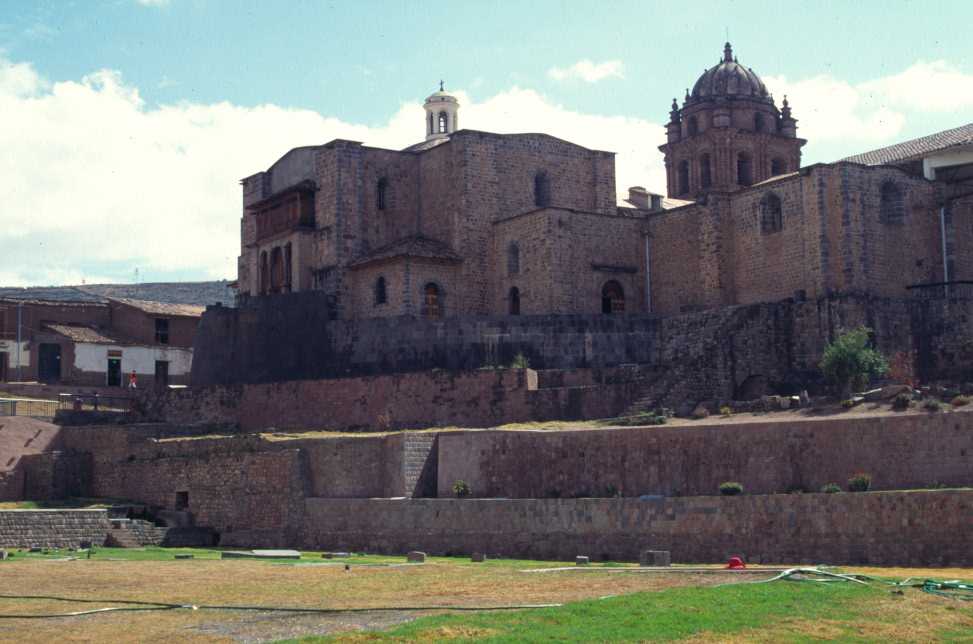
<point>729,79</point>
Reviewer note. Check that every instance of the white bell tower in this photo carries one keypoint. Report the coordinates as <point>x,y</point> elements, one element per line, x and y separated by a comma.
<point>442,114</point>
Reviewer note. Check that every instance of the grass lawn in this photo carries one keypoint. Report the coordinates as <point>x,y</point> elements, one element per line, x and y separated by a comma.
<point>598,606</point>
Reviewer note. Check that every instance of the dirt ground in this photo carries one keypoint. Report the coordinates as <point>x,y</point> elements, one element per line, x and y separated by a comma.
<point>314,585</point>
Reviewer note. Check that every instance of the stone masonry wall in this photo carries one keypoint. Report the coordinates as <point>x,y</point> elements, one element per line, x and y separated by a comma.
<point>915,450</point>
<point>862,528</point>
<point>52,528</point>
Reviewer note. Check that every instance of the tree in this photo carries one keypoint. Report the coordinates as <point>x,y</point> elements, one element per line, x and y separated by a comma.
<point>849,363</point>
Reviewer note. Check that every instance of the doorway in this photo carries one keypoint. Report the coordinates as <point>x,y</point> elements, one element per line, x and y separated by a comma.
<point>114,372</point>
<point>4,366</point>
<point>161,374</point>
<point>49,362</point>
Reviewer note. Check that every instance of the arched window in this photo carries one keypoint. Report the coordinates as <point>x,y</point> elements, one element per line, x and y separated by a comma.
<point>683,177</point>
<point>542,189</point>
<point>744,169</point>
<point>381,297</point>
<point>443,122</point>
<point>612,298</point>
<point>381,193</point>
<point>705,172</point>
<point>432,301</point>
<point>692,126</point>
<point>264,274</point>
<point>892,207</point>
<point>758,122</point>
<point>771,214</point>
<point>777,166</point>
<point>514,301</point>
<point>513,258</point>
<point>429,127</point>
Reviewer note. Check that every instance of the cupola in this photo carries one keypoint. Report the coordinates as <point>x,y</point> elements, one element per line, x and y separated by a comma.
<point>442,114</point>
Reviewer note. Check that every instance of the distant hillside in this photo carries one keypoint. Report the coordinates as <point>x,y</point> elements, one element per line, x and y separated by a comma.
<point>195,293</point>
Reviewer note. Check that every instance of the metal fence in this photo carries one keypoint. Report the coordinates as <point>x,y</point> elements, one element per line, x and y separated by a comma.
<point>27,407</point>
<point>934,290</point>
<point>94,402</point>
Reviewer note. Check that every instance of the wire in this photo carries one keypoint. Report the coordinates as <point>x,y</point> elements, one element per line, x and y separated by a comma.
<point>136,605</point>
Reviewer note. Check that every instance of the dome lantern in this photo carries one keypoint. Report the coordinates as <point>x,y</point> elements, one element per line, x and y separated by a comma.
<point>442,114</point>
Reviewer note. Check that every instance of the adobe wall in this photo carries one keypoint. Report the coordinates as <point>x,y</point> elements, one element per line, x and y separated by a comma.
<point>861,528</point>
<point>52,528</point>
<point>482,398</point>
<point>914,450</point>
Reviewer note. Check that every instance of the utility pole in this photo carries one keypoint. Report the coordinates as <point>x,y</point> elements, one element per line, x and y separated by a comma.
<point>20,317</point>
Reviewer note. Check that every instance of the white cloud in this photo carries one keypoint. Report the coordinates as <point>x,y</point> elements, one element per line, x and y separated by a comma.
<point>92,176</point>
<point>873,112</point>
<point>153,3</point>
<point>587,71</point>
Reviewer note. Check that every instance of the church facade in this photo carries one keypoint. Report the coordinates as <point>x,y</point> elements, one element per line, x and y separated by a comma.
<point>471,223</point>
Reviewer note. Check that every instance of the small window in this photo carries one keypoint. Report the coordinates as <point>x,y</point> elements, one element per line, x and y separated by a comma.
<point>683,177</point>
<point>892,207</point>
<point>771,214</point>
<point>182,500</point>
<point>612,298</point>
<point>778,166</point>
<point>161,331</point>
<point>432,301</point>
<point>744,169</point>
<point>542,189</point>
<point>443,122</point>
<point>381,194</point>
<point>705,173</point>
<point>429,127</point>
<point>693,126</point>
<point>514,301</point>
<point>288,268</point>
<point>381,297</point>
<point>513,258</point>
<point>758,122</point>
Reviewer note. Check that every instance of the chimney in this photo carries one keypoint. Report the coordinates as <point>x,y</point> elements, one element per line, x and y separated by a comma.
<point>639,197</point>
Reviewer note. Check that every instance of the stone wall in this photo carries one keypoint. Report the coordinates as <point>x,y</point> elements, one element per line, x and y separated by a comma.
<point>482,398</point>
<point>916,450</point>
<point>876,528</point>
<point>52,528</point>
<point>294,337</point>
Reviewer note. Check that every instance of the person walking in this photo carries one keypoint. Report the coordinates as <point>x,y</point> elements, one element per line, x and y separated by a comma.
<point>133,380</point>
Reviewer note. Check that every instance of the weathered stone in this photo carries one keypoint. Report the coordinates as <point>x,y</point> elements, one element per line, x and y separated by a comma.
<point>655,558</point>
<point>581,560</point>
<point>416,557</point>
<point>478,557</point>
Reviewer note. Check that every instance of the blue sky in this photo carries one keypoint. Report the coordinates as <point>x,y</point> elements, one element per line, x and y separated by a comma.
<point>198,93</point>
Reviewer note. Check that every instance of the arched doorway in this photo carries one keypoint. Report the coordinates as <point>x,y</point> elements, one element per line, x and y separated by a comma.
<point>612,298</point>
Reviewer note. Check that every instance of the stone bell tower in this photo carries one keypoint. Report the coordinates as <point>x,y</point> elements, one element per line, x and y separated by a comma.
<point>442,114</point>
<point>728,134</point>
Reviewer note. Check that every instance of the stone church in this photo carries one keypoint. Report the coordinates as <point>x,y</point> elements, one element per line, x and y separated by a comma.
<point>471,223</point>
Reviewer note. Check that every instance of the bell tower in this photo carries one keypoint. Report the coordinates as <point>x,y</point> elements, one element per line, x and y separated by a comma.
<point>728,134</point>
<point>442,114</point>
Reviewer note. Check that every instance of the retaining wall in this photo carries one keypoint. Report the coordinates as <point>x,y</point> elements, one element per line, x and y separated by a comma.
<point>52,528</point>
<point>877,528</point>
<point>911,450</point>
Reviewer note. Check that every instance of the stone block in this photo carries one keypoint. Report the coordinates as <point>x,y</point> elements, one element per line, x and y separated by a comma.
<point>655,558</point>
<point>416,557</point>
<point>478,557</point>
<point>581,560</point>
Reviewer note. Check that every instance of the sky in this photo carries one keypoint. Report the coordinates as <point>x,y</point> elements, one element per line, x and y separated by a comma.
<point>125,125</point>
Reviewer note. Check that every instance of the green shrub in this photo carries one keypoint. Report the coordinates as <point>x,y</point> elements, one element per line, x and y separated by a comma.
<point>831,488</point>
<point>612,491</point>
<point>902,402</point>
<point>731,488</point>
<point>849,363</point>
<point>796,489</point>
<point>461,489</point>
<point>960,401</point>
<point>848,403</point>
<point>520,362</point>
<point>860,482</point>
<point>932,405</point>
<point>726,411</point>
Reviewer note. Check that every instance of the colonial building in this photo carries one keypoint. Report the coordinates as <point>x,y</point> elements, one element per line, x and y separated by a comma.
<point>469,223</point>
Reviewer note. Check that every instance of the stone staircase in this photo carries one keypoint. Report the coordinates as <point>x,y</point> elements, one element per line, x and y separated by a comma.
<point>135,533</point>
<point>419,464</point>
